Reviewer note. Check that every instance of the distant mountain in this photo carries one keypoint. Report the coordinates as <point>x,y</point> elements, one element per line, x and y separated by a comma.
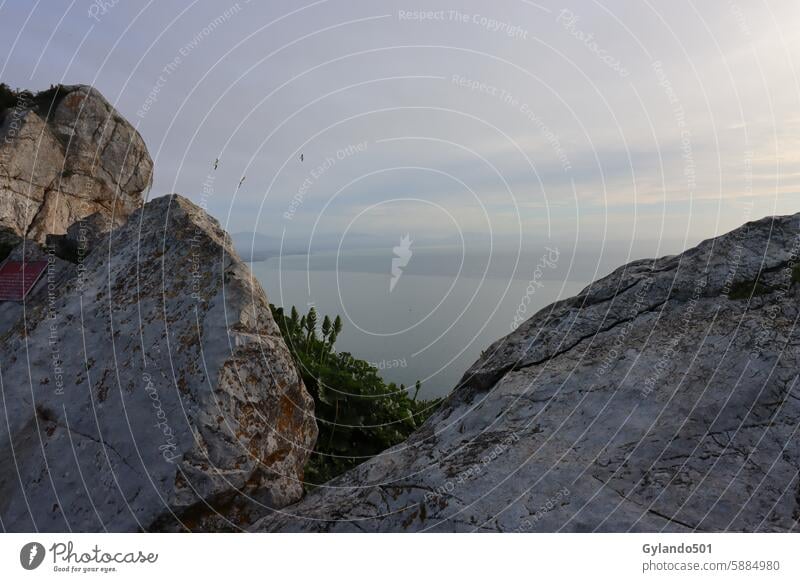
<point>254,246</point>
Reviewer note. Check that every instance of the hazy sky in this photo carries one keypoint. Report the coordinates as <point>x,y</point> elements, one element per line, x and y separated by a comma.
<point>627,122</point>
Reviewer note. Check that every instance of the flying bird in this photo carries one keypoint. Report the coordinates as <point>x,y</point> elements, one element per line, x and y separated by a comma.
<point>301,157</point>
<point>216,163</point>
<point>241,182</point>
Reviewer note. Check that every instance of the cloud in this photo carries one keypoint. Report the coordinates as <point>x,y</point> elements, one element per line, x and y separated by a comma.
<point>538,125</point>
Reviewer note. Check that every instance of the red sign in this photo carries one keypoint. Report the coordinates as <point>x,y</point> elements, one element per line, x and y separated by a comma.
<point>18,278</point>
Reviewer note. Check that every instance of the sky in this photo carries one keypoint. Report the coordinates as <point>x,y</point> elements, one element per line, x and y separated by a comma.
<point>640,125</point>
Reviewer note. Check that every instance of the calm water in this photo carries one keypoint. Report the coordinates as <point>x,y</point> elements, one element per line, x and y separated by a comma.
<point>436,320</point>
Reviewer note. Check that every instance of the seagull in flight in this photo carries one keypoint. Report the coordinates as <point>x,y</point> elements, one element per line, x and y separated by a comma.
<point>216,163</point>
<point>241,182</point>
<point>301,157</point>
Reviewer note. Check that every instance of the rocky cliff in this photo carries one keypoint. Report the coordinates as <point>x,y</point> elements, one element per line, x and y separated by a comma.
<point>67,153</point>
<point>145,385</point>
<point>664,397</point>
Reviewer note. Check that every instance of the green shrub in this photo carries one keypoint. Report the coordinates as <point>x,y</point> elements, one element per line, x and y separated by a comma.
<point>747,289</point>
<point>5,250</point>
<point>43,102</point>
<point>46,101</point>
<point>8,241</point>
<point>358,415</point>
<point>8,99</point>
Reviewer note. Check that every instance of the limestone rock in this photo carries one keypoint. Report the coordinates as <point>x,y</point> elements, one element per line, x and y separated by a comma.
<point>148,387</point>
<point>66,153</point>
<point>664,397</point>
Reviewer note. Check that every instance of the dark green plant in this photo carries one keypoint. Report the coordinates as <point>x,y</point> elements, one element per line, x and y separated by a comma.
<point>46,101</point>
<point>358,414</point>
<point>796,274</point>
<point>43,102</point>
<point>8,241</point>
<point>326,332</point>
<point>8,99</point>
<point>5,250</point>
<point>747,289</point>
<point>311,325</point>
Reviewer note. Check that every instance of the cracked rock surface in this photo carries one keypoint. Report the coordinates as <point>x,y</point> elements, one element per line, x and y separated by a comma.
<point>67,157</point>
<point>147,387</point>
<point>664,397</point>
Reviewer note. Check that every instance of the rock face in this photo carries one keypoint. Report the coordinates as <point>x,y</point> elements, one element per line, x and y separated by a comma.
<point>146,385</point>
<point>64,154</point>
<point>663,397</point>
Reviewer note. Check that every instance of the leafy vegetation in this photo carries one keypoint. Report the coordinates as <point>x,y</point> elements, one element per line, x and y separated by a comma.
<point>8,241</point>
<point>43,102</point>
<point>357,413</point>
<point>754,288</point>
<point>8,99</point>
<point>46,101</point>
<point>5,250</point>
<point>747,289</point>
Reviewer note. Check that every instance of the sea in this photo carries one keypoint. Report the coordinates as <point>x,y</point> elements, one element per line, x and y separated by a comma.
<point>424,317</point>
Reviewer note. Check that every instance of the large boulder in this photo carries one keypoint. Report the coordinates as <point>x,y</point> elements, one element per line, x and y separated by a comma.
<point>664,397</point>
<point>66,153</point>
<point>145,386</point>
